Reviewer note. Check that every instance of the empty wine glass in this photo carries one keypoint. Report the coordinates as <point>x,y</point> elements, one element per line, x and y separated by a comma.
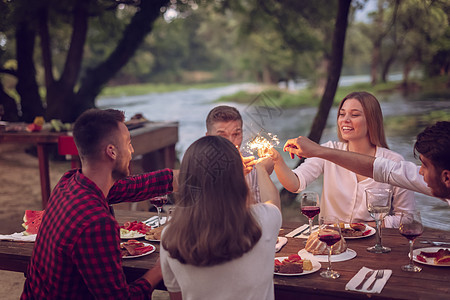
<point>378,202</point>
<point>310,207</point>
<point>329,233</point>
<point>411,227</point>
<point>158,202</point>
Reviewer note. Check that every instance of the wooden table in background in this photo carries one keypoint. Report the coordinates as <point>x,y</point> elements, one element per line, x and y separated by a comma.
<point>431,283</point>
<point>152,136</point>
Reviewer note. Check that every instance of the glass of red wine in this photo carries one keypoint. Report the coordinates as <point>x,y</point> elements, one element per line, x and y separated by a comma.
<point>310,207</point>
<point>411,227</point>
<point>158,202</point>
<point>330,234</point>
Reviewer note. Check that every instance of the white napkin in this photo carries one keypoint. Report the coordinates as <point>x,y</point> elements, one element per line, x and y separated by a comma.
<point>296,230</point>
<point>377,288</point>
<point>155,223</point>
<point>280,243</point>
<point>304,227</point>
<point>18,236</point>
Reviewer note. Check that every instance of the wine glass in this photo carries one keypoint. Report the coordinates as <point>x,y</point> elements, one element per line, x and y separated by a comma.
<point>310,207</point>
<point>411,227</point>
<point>329,233</point>
<point>378,202</point>
<point>158,202</point>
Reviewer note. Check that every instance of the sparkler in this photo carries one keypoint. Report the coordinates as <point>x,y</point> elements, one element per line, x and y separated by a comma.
<point>261,145</point>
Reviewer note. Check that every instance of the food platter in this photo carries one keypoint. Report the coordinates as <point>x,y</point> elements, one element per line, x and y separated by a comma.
<point>316,266</point>
<point>152,249</point>
<point>429,260</point>
<point>130,234</point>
<point>370,233</point>
<point>347,255</point>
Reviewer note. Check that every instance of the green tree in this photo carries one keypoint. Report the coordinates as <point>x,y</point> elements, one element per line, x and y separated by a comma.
<point>67,95</point>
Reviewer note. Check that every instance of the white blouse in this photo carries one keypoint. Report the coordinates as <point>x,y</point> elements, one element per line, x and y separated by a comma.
<point>343,196</point>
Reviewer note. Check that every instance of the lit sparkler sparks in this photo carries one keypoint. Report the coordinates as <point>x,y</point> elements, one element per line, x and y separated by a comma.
<point>261,144</point>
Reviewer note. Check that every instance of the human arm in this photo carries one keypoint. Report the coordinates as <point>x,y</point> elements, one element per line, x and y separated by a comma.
<point>154,275</point>
<point>141,187</point>
<point>355,162</point>
<point>285,175</point>
<point>268,191</point>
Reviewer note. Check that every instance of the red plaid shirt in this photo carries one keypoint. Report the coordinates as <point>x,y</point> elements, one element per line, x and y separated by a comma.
<point>76,254</point>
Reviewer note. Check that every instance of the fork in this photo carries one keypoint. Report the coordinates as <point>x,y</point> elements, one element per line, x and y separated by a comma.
<point>379,275</point>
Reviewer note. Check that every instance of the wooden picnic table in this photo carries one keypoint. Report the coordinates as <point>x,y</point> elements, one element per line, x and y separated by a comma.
<point>431,283</point>
<point>149,137</point>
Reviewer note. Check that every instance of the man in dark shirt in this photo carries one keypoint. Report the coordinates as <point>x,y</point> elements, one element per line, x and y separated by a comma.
<point>76,254</point>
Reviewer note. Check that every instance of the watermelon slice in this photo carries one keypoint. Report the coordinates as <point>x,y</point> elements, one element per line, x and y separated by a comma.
<point>32,220</point>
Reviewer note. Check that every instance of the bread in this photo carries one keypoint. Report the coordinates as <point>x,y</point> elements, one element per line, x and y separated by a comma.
<point>317,247</point>
<point>154,234</point>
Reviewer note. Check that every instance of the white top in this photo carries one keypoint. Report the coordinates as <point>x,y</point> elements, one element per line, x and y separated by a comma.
<point>247,277</point>
<point>404,174</point>
<point>252,182</point>
<point>343,196</point>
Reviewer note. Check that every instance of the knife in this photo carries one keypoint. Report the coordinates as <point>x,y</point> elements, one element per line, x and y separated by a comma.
<point>299,233</point>
<point>364,280</point>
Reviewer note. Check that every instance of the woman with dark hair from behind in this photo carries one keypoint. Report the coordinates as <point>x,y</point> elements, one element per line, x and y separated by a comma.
<point>219,244</point>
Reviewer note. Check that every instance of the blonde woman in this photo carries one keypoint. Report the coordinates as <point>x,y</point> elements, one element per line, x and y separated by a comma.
<point>360,129</point>
<point>219,243</point>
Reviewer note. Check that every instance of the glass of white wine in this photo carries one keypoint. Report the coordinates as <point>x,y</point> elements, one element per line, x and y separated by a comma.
<point>378,202</point>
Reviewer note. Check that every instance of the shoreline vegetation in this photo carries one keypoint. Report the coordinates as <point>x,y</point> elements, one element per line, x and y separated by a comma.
<point>432,89</point>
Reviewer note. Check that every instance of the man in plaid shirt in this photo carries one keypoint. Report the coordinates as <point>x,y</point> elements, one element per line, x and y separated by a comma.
<point>76,254</point>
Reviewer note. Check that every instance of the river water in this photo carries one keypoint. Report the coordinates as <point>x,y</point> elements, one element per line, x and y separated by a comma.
<point>190,108</point>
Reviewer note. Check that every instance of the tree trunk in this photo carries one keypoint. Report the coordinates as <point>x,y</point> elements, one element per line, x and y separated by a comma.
<point>60,93</point>
<point>334,73</point>
<point>8,107</point>
<point>134,34</point>
<point>31,103</point>
<point>387,65</point>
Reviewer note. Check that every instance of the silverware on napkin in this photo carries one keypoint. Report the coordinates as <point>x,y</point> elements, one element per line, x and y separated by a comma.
<point>360,285</point>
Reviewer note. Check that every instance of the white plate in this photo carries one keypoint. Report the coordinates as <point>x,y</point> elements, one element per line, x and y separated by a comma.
<point>281,242</point>
<point>143,254</point>
<point>153,240</point>
<point>316,266</point>
<point>132,234</point>
<point>430,260</point>
<point>347,255</point>
<point>372,232</point>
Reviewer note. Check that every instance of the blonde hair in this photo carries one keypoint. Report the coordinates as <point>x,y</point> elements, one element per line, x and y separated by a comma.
<point>374,117</point>
<point>212,222</point>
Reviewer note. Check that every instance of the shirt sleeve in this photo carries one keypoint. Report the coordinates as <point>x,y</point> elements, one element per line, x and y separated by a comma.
<point>403,174</point>
<point>141,187</point>
<point>97,257</point>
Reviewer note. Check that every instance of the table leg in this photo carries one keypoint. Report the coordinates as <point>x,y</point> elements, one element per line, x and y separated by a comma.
<point>44,173</point>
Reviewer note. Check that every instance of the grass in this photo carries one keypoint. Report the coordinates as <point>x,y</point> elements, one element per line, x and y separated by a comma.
<point>304,97</point>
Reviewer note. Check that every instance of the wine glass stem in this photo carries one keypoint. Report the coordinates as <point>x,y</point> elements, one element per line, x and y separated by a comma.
<point>329,258</point>
<point>377,223</point>
<point>411,246</point>
<point>159,215</point>
<point>310,225</point>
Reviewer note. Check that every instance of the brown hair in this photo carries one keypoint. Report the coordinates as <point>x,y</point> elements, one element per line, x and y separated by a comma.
<point>212,222</point>
<point>434,143</point>
<point>93,127</point>
<point>222,113</point>
<point>374,117</point>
